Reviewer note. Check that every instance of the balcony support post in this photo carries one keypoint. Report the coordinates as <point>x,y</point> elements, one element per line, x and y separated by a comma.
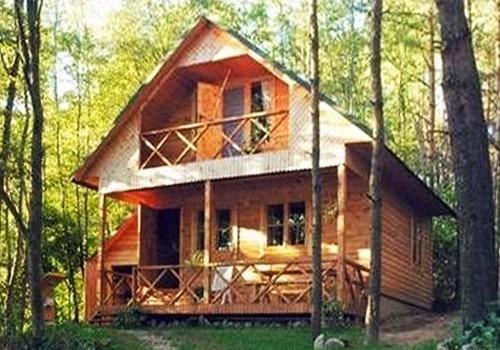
<point>208,210</point>
<point>341,242</point>
<point>102,232</point>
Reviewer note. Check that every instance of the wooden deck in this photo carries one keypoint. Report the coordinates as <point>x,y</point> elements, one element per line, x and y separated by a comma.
<point>238,288</point>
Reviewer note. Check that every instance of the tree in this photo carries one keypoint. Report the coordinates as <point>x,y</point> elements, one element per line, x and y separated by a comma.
<point>375,181</point>
<point>29,31</point>
<point>315,174</point>
<point>471,162</point>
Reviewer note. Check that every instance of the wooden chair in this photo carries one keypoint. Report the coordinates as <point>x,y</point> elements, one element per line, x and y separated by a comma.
<point>223,276</point>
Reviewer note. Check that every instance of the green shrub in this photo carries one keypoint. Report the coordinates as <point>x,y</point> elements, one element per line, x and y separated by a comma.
<point>129,318</point>
<point>72,336</point>
<point>484,335</point>
<point>333,315</point>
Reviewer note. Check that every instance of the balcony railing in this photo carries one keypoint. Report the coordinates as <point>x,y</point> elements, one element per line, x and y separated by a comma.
<point>227,137</point>
<point>246,287</point>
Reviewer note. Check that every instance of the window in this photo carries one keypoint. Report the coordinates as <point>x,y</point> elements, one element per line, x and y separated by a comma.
<point>275,224</point>
<point>200,230</point>
<point>416,240</point>
<point>260,102</point>
<point>224,236</point>
<point>296,223</point>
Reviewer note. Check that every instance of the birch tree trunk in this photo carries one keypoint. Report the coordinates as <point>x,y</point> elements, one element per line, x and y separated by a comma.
<point>316,181</point>
<point>471,162</point>
<point>375,181</point>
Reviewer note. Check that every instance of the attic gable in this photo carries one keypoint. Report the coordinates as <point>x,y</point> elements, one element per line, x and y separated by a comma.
<point>205,45</point>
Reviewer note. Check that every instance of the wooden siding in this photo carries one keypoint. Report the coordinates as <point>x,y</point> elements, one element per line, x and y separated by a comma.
<point>122,249</point>
<point>401,279</point>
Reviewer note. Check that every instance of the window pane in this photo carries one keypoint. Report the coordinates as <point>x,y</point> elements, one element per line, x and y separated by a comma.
<point>200,230</point>
<point>296,222</point>
<point>275,224</point>
<point>260,102</point>
<point>257,97</point>
<point>224,238</point>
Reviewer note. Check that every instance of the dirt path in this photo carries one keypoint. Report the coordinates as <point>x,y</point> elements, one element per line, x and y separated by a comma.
<point>417,328</point>
<point>152,340</point>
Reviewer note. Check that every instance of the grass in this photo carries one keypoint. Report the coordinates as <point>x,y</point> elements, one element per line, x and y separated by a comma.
<point>72,336</point>
<point>263,338</point>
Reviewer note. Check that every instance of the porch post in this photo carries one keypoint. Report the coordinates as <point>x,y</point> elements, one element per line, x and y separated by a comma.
<point>341,242</point>
<point>102,229</point>
<point>206,251</point>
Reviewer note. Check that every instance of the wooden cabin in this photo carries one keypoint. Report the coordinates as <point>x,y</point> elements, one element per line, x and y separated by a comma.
<point>214,152</point>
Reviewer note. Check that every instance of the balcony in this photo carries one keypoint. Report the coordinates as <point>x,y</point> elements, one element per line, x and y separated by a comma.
<point>214,139</point>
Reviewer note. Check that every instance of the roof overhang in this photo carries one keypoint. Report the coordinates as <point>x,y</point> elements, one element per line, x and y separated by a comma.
<point>403,181</point>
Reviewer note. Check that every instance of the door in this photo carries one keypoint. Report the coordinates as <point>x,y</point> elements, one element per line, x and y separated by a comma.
<point>233,106</point>
<point>168,244</point>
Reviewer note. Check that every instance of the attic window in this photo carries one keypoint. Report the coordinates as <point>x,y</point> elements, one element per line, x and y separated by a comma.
<point>260,102</point>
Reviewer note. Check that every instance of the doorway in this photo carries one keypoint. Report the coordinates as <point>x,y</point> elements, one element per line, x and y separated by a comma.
<point>233,106</point>
<point>168,244</point>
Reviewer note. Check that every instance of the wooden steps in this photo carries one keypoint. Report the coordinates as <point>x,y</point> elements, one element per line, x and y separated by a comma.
<point>105,316</point>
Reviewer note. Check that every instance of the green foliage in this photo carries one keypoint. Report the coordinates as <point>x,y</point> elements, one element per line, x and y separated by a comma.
<point>129,318</point>
<point>75,336</point>
<point>484,335</point>
<point>446,257</point>
<point>333,315</point>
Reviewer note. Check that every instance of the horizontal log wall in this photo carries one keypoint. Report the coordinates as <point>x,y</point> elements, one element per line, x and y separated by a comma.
<point>401,279</point>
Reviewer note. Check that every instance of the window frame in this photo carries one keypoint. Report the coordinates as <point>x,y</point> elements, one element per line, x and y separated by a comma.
<point>282,225</point>
<point>286,226</point>
<point>196,230</point>
<point>256,134</point>
<point>416,240</point>
<point>229,228</point>
<point>290,225</point>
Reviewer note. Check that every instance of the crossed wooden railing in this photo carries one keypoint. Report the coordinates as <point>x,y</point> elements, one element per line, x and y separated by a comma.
<point>247,283</point>
<point>118,288</point>
<point>248,134</point>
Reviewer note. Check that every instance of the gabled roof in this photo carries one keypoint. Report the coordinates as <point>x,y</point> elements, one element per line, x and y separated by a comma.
<point>403,181</point>
<point>163,70</point>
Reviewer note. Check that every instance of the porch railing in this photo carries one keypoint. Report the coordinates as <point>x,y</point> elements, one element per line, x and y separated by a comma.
<point>238,283</point>
<point>233,136</point>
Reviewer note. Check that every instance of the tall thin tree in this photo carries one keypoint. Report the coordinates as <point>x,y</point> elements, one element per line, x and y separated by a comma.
<point>375,181</point>
<point>29,30</point>
<point>471,161</point>
<point>315,173</point>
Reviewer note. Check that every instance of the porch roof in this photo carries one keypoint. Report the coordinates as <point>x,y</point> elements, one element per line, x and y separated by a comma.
<point>404,181</point>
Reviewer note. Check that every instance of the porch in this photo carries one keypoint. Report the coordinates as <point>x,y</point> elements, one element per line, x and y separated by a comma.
<point>237,288</point>
<point>229,247</point>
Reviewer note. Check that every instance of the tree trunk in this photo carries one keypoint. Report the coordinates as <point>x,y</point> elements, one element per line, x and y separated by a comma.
<point>375,181</point>
<point>30,42</point>
<point>497,115</point>
<point>469,145</point>
<point>432,101</point>
<point>316,181</point>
